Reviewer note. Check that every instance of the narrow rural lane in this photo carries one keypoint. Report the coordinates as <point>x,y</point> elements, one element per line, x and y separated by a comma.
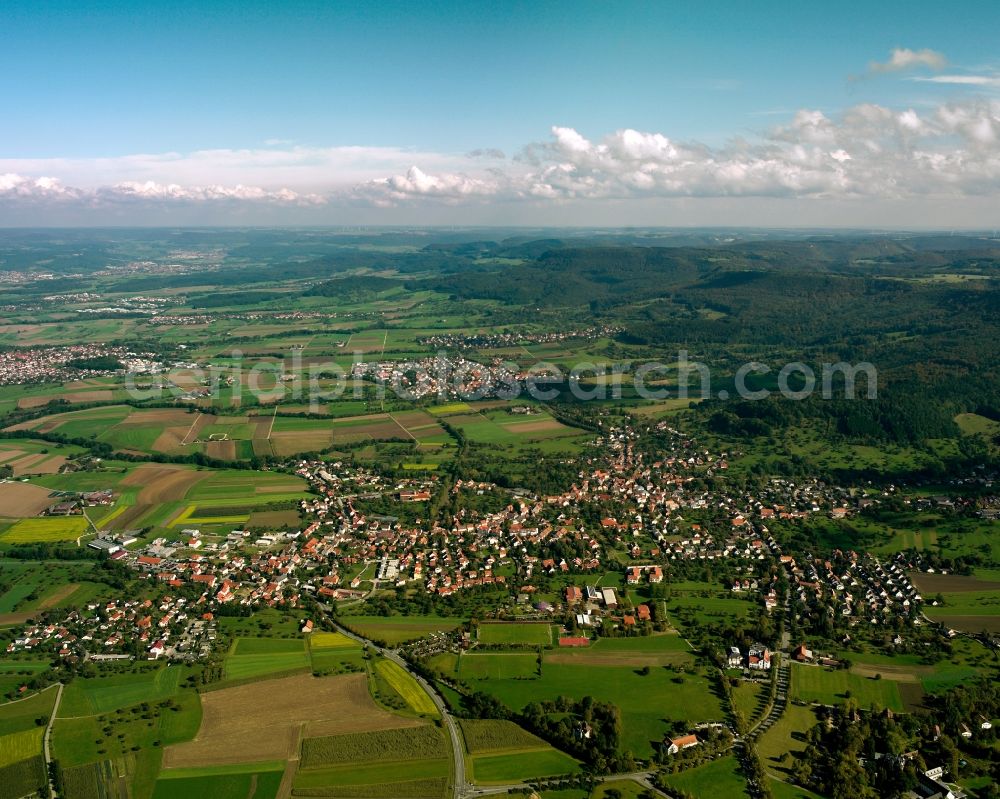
<point>47,738</point>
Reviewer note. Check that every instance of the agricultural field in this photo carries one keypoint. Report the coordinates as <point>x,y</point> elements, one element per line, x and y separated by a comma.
<point>259,657</point>
<point>79,740</point>
<point>425,742</point>
<point>179,431</point>
<point>290,435</point>
<point>505,429</point>
<point>23,778</point>
<point>48,529</point>
<point>395,630</point>
<point>719,779</point>
<point>87,696</point>
<point>829,686</point>
<point>295,705</point>
<point>510,766</point>
<point>23,500</point>
<point>407,687</point>
<point>21,745</point>
<point>320,641</point>
<point>497,666</point>
<point>242,781</point>
<point>528,633</point>
<point>662,649</point>
<point>503,752</point>
<point>970,603</point>
<point>168,495</point>
<point>29,457</point>
<point>645,701</point>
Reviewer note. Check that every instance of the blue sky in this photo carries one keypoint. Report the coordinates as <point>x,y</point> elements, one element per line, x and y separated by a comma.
<point>100,95</point>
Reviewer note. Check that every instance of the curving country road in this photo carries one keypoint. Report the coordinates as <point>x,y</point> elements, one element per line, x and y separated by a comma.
<point>461,787</point>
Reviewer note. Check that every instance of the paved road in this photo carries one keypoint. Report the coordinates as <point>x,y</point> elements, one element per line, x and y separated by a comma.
<point>462,788</point>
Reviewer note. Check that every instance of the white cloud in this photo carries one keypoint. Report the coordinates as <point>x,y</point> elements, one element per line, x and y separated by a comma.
<point>961,80</point>
<point>867,153</point>
<point>903,58</point>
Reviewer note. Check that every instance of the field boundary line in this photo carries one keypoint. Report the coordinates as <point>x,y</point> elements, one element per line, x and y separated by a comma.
<point>400,426</point>
<point>270,428</point>
<point>197,416</point>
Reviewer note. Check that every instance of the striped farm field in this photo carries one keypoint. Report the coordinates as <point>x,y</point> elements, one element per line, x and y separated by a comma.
<point>399,629</point>
<point>407,687</point>
<point>190,516</point>
<point>20,745</point>
<point>516,633</point>
<point>829,687</point>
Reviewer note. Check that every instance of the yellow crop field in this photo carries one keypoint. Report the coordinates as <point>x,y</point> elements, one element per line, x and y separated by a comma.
<point>46,528</point>
<point>187,517</point>
<point>20,745</point>
<point>324,640</point>
<point>451,407</point>
<point>406,687</point>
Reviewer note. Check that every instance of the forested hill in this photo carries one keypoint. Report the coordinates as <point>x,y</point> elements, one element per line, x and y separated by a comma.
<point>925,311</point>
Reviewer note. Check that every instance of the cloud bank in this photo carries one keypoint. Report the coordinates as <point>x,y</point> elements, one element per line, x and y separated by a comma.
<point>869,152</point>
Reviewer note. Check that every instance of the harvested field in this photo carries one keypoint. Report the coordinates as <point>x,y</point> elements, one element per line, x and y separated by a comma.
<point>98,395</point>
<point>971,624</point>
<point>381,429</point>
<point>223,450</point>
<point>231,730</point>
<point>543,426</point>
<point>18,617</point>
<point>951,583</point>
<point>172,416</point>
<point>20,500</point>
<point>169,441</point>
<point>284,444</point>
<point>127,518</point>
<point>274,518</point>
<point>162,482</point>
<point>583,657</point>
<point>900,674</point>
<point>33,402</point>
<point>39,463</point>
<point>912,695</point>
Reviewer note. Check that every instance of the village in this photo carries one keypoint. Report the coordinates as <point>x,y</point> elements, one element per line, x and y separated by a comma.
<point>51,364</point>
<point>342,553</point>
